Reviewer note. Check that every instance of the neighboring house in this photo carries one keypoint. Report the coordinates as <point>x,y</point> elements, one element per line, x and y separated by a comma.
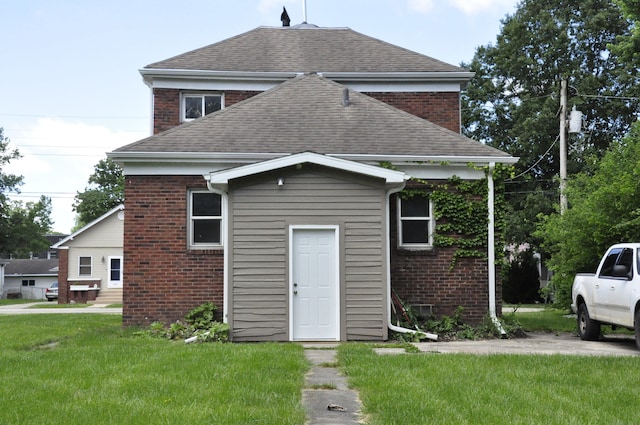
<point>51,253</point>
<point>91,261</point>
<point>275,205</point>
<point>28,278</point>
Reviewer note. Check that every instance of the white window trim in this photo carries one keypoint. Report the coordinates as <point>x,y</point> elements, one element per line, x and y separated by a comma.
<point>111,282</point>
<point>194,94</point>
<point>223,220</point>
<point>431,228</point>
<point>90,266</point>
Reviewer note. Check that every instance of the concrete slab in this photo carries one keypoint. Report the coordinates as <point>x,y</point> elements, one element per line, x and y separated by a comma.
<point>535,343</point>
<point>331,407</point>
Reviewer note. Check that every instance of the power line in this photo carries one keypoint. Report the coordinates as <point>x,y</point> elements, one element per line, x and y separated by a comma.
<point>537,162</point>
<point>52,195</point>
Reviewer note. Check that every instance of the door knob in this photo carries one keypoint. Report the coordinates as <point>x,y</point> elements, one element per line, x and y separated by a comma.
<point>295,292</point>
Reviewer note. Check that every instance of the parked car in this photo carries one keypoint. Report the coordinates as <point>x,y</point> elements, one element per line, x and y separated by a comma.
<point>52,292</point>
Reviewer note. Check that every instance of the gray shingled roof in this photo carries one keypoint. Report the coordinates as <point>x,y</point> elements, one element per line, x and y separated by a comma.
<point>305,48</point>
<point>31,267</point>
<point>306,114</point>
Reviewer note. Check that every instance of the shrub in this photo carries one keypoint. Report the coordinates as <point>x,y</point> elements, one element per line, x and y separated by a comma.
<point>199,326</point>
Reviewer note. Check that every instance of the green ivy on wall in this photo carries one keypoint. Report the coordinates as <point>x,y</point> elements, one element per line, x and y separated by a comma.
<point>461,212</point>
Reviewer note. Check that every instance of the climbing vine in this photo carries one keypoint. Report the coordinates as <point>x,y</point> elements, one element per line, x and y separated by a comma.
<point>461,211</point>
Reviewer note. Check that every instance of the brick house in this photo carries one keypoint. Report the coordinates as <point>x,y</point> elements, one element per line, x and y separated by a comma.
<point>262,188</point>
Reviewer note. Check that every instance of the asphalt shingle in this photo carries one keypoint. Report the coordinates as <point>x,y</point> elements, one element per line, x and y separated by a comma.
<point>304,48</point>
<point>307,114</point>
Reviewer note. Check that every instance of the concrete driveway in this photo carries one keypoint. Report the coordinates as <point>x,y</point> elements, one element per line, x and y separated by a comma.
<point>535,343</point>
<point>28,309</point>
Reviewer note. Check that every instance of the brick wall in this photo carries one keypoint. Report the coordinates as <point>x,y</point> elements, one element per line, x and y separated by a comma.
<point>426,277</point>
<point>63,276</point>
<point>441,108</point>
<point>164,280</point>
<point>166,106</point>
<point>166,109</point>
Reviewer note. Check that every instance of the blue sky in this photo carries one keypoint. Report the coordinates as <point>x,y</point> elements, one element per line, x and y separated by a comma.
<point>70,88</point>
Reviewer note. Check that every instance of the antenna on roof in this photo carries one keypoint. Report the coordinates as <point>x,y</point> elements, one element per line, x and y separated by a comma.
<point>304,11</point>
<point>284,17</point>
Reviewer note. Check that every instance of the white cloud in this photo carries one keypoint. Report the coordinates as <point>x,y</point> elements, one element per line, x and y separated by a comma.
<point>471,7</point>
<point>57,159</point>
<point>468,7</point>
<point>421,6</point>
<point>267,6</point>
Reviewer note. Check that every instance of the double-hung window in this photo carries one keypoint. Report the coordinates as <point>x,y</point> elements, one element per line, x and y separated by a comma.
<point>415,222</point>
<point>84,266</point>
<point>196,105</point>
<point>205,219</point>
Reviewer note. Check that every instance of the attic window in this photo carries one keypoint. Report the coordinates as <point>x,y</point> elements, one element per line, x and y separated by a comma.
<point>196,105</point>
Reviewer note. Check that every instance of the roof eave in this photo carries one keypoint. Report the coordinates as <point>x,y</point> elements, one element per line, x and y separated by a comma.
<point>218,157</point>
<point>150,74</point>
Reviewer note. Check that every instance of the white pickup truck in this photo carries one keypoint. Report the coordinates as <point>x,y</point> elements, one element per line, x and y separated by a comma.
<point>611,296</point>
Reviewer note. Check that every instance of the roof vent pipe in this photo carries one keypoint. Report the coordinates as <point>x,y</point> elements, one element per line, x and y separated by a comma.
<point>345,97</point>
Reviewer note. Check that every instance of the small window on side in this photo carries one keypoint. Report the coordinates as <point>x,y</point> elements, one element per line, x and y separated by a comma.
<point>84,266</point>
<point>205,219</point>
<point>415,222</point>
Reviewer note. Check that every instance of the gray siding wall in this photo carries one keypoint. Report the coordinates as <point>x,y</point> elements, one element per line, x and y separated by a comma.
<point>260,215</point>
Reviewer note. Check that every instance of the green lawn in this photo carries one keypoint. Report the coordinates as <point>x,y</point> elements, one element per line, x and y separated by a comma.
<point>84,369</point>
<point>547,320</point>
<point>5,301</point>
<point>492,389</point>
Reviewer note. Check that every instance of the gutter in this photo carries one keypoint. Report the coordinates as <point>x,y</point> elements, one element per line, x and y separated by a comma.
<point>390,325</point>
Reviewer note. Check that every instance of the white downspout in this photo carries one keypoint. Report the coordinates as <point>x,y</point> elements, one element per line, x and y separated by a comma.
<point>388,260</point>
<point>225,253</point>
<point>491,251</point>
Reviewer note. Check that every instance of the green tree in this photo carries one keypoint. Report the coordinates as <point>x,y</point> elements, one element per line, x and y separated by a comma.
<point>22,227</point>
<point>603,210</point>
<point>105,192</point>
<point>512,103</point>
<point>627,46</point>
<point>29,223</point>
<point>8,183</point>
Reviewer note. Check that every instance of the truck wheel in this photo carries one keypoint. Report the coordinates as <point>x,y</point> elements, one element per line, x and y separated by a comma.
<point>588,329</point>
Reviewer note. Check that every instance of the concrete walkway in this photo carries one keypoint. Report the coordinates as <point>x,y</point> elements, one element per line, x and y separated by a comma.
<point>32,308</point>
<point>326,397</point>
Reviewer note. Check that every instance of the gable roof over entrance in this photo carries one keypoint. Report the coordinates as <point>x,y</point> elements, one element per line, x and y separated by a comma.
<point>390,177</point>
<point>308,114</point>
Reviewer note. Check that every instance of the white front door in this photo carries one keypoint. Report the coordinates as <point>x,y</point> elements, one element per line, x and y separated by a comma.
<point>115,272</point>
<point>315,312</point>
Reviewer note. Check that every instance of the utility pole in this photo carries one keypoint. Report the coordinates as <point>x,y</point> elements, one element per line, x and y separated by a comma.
<point>563,145</point>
